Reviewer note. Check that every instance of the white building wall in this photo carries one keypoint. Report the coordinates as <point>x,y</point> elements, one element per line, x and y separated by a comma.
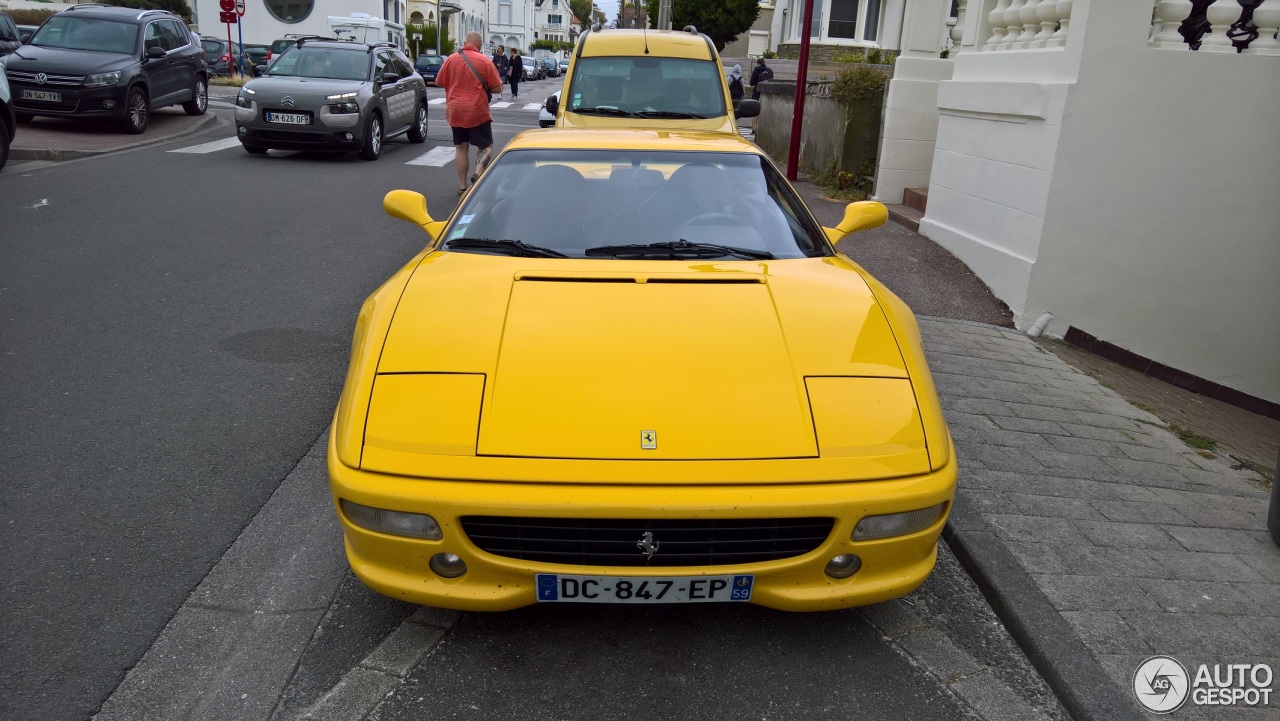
<point>1162,233</point>
<point>260,27</point>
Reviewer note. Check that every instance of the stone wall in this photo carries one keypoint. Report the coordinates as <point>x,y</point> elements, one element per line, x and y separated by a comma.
<point>849,135</point>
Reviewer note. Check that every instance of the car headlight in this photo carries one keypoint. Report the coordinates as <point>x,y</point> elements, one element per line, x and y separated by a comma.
<point>346,104</point>
<point>897,524</point>
<point>243,100</point>
<point>101,80</point>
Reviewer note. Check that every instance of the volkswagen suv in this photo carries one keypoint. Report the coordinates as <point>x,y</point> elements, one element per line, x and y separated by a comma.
<point>92,61</point>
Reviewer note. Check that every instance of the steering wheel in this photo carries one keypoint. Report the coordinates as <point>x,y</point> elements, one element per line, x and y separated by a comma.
<point>713,219</point>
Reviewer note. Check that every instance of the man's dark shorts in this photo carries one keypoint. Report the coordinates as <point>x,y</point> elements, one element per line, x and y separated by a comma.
<point>480,136</point>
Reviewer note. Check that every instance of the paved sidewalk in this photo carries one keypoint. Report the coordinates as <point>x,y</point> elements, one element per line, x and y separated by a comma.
<point>64,139</point>
<point>1142,546</point>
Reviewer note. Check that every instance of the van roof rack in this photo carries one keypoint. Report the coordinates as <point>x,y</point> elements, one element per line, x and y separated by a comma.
<point>298,41</point>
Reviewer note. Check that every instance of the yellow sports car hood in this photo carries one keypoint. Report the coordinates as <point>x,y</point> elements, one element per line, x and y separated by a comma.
<point>648,360</point>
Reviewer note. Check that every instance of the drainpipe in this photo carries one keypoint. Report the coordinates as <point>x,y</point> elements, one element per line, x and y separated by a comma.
<point>1041,323</point>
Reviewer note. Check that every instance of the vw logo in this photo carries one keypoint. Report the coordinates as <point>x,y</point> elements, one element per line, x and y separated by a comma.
<point>41,78</point>
<point>647,545</point>
<point>287,100</point>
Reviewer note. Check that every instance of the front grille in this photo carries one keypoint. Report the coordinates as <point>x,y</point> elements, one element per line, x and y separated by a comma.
<point>292,137</point>
<point>18,76</point>
<point>613,542</point>
<point>38,105</point>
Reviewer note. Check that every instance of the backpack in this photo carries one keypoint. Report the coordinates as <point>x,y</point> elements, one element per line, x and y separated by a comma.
<point>765,74</point>
<point>735,88</point>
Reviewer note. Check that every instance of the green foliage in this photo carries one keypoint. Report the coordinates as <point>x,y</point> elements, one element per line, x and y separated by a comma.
<point>428,41</point>
<point>31,17</point>
<point>857,82</point>
<point>841,185</point>
<point>769,55</point>
<point>543,44</point>
<point>177,7</point>
<point>721,20</point>
<point>581,9</point>
<point>872,56</point>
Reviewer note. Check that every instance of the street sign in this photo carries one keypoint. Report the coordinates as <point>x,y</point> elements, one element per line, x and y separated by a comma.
<point>240,8</point>
<point>228,17</point>
<point>227,5</point>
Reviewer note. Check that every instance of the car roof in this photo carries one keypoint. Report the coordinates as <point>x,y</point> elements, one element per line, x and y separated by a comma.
<point>663,43</point>
<point>632,139</point>
<point>108,12</point>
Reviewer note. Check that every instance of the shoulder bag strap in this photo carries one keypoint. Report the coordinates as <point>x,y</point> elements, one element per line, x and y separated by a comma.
<point>475,72</point>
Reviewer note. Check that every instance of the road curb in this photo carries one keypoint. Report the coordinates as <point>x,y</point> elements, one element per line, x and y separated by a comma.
<point>206,121</point>
<point>1081,684</point>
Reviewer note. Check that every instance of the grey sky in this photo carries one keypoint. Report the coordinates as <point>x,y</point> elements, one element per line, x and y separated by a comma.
<point>609,8</point>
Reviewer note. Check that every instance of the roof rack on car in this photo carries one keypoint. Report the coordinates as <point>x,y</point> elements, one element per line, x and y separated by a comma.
<point>303,38</point>
<point>383,44</point>
<point>87,5</point>
<point>148,12</point>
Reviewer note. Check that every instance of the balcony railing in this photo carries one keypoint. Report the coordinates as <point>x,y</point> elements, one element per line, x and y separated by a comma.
<point>1027,24</point>
<point>1224,26</point>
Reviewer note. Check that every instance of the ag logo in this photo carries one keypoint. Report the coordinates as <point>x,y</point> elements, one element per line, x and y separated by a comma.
<point>1161,684</point>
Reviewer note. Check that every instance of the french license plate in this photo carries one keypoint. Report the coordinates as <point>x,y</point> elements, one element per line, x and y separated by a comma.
<point>289,118</point>
<point>554,587</point>
<point>41,95</point>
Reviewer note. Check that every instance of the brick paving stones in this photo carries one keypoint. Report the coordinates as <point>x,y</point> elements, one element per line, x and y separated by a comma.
<point>1143,546</point>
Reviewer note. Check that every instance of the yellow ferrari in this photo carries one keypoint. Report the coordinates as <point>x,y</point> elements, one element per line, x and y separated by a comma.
<point>632,368</point>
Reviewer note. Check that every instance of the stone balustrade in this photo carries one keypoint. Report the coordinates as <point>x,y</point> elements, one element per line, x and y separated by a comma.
<point>1027,24</point>
<point>1222,26</point>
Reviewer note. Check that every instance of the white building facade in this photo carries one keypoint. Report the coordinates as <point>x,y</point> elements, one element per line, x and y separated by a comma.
<point>1114,164</point>
<point>268,20</point>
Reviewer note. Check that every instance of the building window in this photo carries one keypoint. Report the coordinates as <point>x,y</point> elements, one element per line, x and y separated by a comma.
<point>290,11</point>
<point>857,20</point>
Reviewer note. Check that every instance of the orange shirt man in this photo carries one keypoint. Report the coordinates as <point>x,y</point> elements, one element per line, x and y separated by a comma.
<point>466,107</point>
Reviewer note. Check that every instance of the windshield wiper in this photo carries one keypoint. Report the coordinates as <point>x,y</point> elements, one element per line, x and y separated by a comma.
<point>602,110</point>
<point>679,248</point>
<point>668,114</point>
<point>505,246</point>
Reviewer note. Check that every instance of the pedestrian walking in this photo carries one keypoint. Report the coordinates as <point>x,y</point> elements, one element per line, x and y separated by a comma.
<point>515,73</point>
<point>735,85</point>
<point>468,78</point>
<point>759,74</point>
<point>501,63</point>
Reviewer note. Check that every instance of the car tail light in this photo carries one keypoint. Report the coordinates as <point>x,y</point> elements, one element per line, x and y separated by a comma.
<point>268,58</point>
<point>226,58</point>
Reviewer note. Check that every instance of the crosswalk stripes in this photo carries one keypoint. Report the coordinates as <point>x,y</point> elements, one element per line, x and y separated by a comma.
<point>500,104</point>
<point>436,157</point>
<point>531,106</point>
<point>212,147</point>
<point>436,101</point>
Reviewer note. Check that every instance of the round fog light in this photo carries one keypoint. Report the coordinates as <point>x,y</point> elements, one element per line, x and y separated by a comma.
<point>108,104</point>
<point>349,136</point>
<point>242,130</point>
<point>448,565</point>
<point>843,566</point>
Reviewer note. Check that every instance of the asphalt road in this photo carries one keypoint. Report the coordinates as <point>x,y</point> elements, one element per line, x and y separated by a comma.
<point>174,335</point>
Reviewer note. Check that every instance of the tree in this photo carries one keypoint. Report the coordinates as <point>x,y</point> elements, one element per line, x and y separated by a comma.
<point>581,9</point>
<point>177,7</point>
<point>428,41</point>
<point>721,20</point>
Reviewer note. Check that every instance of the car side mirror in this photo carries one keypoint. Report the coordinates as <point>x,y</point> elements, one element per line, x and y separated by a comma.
<point>390,77</point>
<point>864,215</point>
<point>552,104</point>
<point>25,38</point>
<point>154,52</point>
<point>411,206</point>
<point>747,108</point>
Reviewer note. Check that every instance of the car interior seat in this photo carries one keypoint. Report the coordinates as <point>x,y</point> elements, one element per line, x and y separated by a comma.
<point>532,219</point>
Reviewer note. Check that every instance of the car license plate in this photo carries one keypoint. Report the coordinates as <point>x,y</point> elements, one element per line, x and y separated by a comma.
<point>289,118</point>
<point>554,587</point>
<point>41,95</point>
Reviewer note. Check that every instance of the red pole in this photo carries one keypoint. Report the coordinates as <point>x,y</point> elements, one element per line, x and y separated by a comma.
<point>797,119</point>
<point>229,53</point>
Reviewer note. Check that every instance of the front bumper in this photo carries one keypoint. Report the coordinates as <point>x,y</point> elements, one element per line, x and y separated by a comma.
<point>327,132</point>
<point>398,567</point>
<point>76,101</point>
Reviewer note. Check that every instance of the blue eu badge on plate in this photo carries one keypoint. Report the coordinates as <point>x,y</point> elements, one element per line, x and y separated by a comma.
<point>547,587</point>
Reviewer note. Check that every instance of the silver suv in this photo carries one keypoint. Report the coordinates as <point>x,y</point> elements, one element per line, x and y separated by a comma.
<point>333,95</point>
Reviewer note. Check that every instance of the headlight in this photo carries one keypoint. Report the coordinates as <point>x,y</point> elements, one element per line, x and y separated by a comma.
<point>395,523</point>
<point>343,96</point>
<point>897,524</point>
<point>101,80</point>
<point>349,106</point>
<point>243,100</point>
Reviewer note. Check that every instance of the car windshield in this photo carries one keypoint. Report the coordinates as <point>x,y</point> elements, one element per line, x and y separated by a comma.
<point>676,202</point>
<point>211,47</point>
<point>427,61</point>
<point>640,85</point>
<point>79,33</point>
<point>320,62</point>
